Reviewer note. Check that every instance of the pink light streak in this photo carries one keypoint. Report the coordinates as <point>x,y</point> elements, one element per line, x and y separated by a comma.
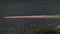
<point>34,16</point>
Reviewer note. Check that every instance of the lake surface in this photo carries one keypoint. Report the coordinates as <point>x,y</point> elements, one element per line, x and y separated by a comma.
<point>18,24</point>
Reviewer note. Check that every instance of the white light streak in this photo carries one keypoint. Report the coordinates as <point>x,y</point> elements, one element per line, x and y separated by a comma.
<point>35,16</point>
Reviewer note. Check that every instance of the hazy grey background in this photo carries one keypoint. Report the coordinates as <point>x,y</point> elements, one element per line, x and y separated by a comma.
<point>27,8</point>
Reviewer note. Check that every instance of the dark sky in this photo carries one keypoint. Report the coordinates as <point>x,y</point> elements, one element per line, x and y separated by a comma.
<point>29,8</point>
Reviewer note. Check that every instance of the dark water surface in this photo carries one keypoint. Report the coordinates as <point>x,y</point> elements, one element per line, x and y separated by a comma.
<point>17,24</point>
